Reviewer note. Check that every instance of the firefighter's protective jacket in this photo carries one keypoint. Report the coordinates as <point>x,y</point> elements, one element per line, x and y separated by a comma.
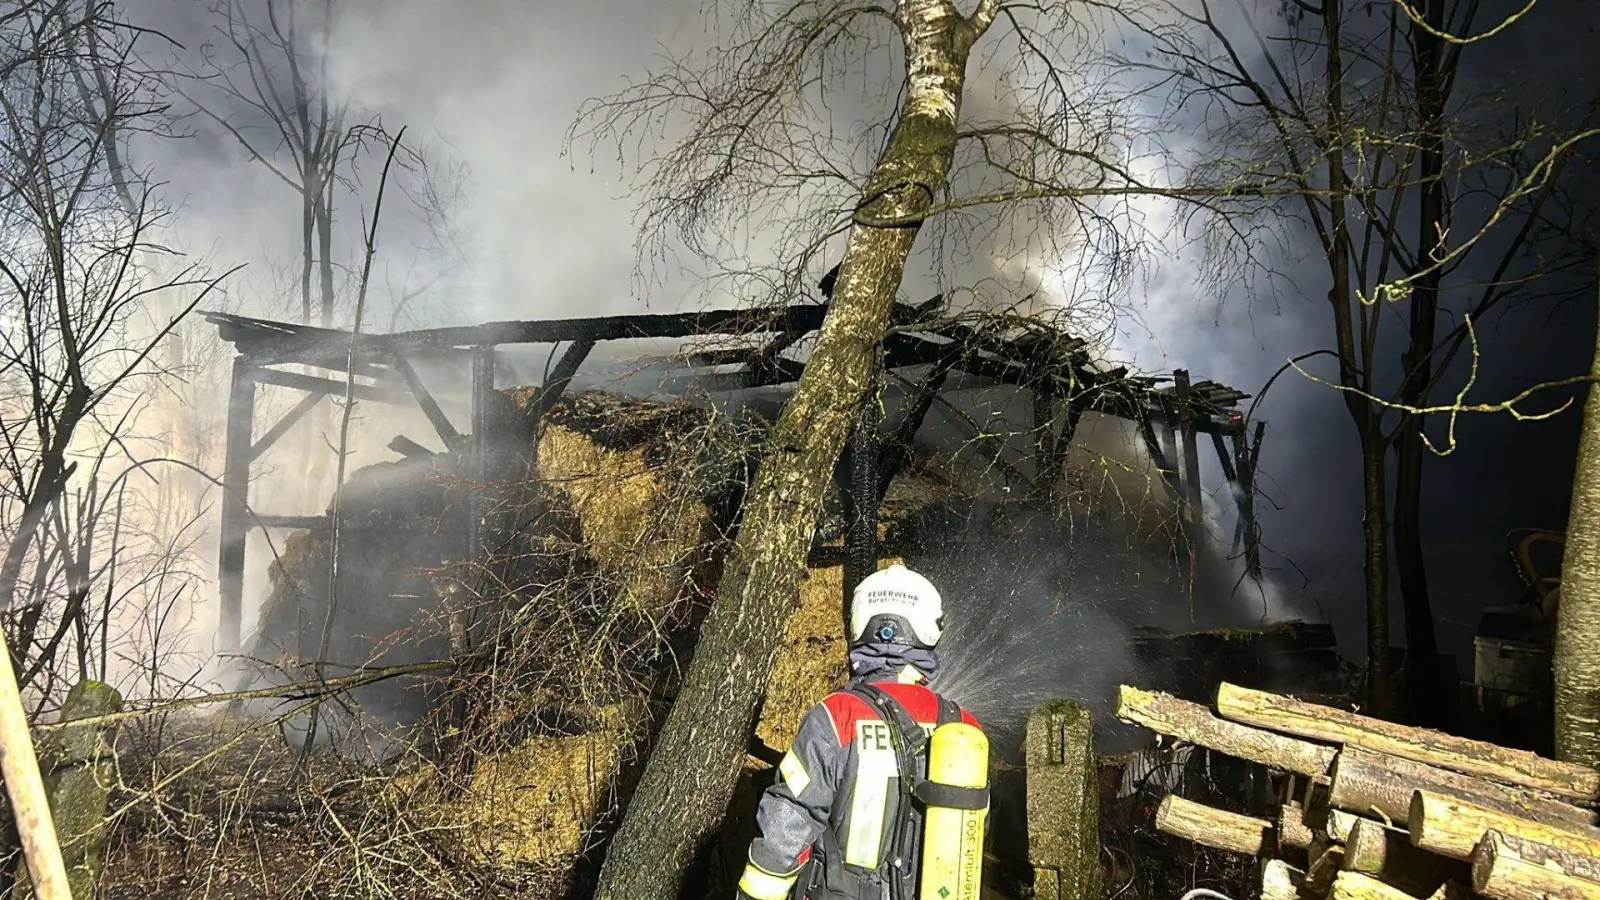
<point>838,794</point>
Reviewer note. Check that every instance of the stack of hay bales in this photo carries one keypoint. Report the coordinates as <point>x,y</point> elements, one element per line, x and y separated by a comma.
<point>624,488</point>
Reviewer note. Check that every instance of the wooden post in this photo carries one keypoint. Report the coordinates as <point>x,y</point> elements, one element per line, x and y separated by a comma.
<point>1063,802</point>
<point>1191,450</point>
<point>1245,467</point>
<point>861,496</point>
<point>235,505</point>
<point>78,784</point>
<point>1172,458</point>
<point>30,807</point>
<point>482,387</point>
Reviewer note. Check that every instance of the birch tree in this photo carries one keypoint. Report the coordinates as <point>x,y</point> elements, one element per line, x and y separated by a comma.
<point>751,145</point>
<point>1577,657</point>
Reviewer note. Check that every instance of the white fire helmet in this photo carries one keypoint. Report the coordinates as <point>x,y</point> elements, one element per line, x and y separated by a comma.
<point>896,606</point>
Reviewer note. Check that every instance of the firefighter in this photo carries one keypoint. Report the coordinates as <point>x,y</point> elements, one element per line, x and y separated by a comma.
<point>844,819</point>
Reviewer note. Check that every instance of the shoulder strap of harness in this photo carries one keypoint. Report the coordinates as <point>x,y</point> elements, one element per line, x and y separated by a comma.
<point>904,733</point>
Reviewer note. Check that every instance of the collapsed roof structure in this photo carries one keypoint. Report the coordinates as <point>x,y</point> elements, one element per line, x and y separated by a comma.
<point>757,348</point>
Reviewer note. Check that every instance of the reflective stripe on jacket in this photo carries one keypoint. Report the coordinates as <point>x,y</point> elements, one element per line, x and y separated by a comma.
<point>840,774</point>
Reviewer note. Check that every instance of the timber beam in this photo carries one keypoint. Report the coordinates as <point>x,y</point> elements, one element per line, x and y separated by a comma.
<point>409,449</point>
<point>302,523</point>
<point>315,384</point>
<point>235,505</point>
<point>281,428</point>
<point>430,407</point>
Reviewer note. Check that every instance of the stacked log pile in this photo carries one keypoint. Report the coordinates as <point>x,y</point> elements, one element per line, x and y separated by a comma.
<point>1371,810</point>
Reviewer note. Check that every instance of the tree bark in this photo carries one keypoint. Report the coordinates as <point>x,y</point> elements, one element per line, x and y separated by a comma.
<point>1356,886</point>
<point>1577,650</point>
<point>1585,867</point>
<point>684,789</point>
<point>1353,376</point>
<point>1478,758</point>
<point>1417,363</point>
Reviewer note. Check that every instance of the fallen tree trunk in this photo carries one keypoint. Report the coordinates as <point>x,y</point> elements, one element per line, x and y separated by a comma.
<point>1501,874</point>
<point>1356,886</point>
<point>1453,827</point>
<point>1585,867</point>
<point>1433,748</point>
<point>1281,881</point>
<point>1195,724</point>
<point>1363,781</point>
<point>1213,828</point>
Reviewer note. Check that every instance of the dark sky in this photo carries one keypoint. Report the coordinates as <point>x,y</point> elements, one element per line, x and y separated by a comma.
<point>496,83</point>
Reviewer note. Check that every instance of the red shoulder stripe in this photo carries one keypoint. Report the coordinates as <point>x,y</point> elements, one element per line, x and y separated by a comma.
<point>920,702</point>
<point>846,710</point>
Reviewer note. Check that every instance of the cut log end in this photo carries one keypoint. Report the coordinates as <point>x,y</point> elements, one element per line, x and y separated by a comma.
<point>1293,833</point>
<point>1281,881</point>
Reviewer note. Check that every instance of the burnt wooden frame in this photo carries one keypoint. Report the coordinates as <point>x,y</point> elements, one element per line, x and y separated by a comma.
<point>1055,367</point>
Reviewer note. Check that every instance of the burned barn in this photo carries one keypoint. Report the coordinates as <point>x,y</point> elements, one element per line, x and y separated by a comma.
<point>561,543</point>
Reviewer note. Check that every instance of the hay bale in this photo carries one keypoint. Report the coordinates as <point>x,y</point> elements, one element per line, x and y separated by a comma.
<point>630,473</point>
<point>813,660</point>
<point>537,803</point>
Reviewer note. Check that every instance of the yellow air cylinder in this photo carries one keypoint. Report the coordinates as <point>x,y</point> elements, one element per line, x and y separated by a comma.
<point>952,839</point>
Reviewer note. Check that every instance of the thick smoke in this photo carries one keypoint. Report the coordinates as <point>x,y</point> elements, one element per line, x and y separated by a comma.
<point>494,85</point>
